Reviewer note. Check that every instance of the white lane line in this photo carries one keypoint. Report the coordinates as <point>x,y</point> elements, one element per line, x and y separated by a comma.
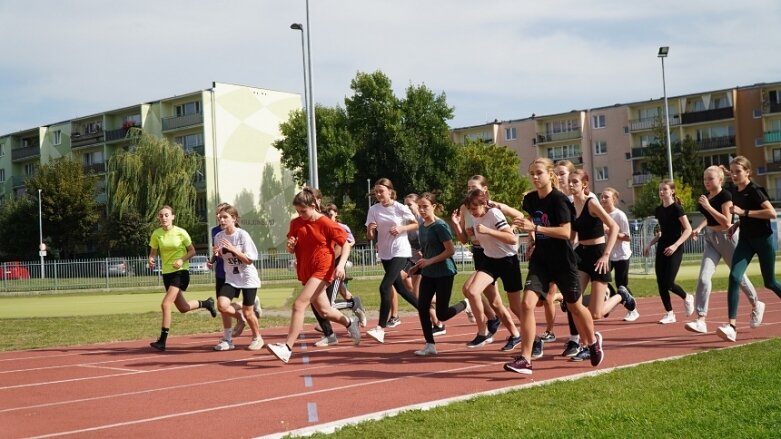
<point>64,366</point>
<point>307,381</point>
<point>311,412</point>
<point>97,366</point>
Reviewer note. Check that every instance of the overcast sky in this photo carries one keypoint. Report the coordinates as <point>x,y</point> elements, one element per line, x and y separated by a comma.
<point>493,59</point>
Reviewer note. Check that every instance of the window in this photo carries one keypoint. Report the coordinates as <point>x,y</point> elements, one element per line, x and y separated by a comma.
<point>601,173</point>
<point>190,141</point>
<point>598,121</point>
<point>757,114</point>
<point>2,175</point>
<point>93,158</point>
<point>510,133</point>
<point>564,152</point>
<point>600,147</point>
<point>776,155</point>
<point>29,169</point>
<point>188,108</point>
<point>561,126</point>
<point>716,159</point>
<point>93,127</point>
<point>57,137</point>
<point>2,149</point>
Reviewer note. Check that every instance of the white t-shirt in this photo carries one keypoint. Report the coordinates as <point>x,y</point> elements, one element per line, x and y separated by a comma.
<point>494,248</point>
<point>397,214</point>
<point>237,274</point>
<point>622,250</point>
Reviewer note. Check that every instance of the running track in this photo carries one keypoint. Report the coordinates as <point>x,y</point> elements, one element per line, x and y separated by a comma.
<point>127,390</point>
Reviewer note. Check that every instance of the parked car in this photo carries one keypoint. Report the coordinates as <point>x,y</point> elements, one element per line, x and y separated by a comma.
<point>14,270</point>
<point>462,255</point>
<point>115,267</point>
<point>198,265</point>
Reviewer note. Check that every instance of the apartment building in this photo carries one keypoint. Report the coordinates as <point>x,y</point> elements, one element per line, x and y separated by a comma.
<point>230,126</point>
<point>611,143</point>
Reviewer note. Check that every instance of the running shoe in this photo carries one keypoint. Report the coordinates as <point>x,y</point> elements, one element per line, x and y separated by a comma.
<point>583,354</point>
<point>627,299</point>
<point>480,341</point>
<point>519,365</point>
<point>327,341</point>
<point>256,308</point>
<point>595,351</point>
<point>355,330</point>
<point>571,349</point>
<point>727,332</point>
<point>359,310</point>
<point>209,305</point>
<point>757,314</point>
<point>394,321</point>
<point>537,348</point>
<point>438,330</point>
<point>468,310</point>
<point>548,337</point>
<point>631,316</point>
<point>698,326</point>
<point>377,333</point>
<point>280,350</point>
<point>158,345</point>
<point>688,305</point>
<point>428,350</point>
<point>224,345</point>
<point>240,325</point>
<point>668,318</point>
<point>256,344</point>
<point>493,325</point>
<point>512,342</point>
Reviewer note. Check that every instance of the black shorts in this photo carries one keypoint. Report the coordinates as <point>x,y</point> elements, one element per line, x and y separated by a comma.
<point>508,269</point>
<point>218,283</point>
<point>563,274</point>
<point>588,255</point>
<point>247,294</point>
<point>179,279</point>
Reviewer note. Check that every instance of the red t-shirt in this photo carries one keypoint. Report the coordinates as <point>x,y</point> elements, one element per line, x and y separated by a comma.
<point>315,247</point>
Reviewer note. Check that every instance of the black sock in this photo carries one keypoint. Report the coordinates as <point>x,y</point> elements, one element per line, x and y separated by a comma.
<point>733,327</point>
<point>163,335</point>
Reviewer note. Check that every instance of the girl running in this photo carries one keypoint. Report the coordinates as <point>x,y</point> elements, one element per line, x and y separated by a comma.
<point>674,231</point>
<point>437,270</point>
<point>389,221</point>
<point>175,248</point>
<point>552,261</point>
<point>622,251</point>
<point>715,206</point>
<point>312,237</point>
<point>751,204</point>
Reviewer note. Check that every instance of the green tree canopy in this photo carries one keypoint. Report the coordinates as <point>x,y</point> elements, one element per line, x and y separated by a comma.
<point>648,199</point>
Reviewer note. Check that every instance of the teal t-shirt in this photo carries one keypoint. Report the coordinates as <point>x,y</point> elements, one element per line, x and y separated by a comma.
<point>432,242</point>
<point>171,245</point>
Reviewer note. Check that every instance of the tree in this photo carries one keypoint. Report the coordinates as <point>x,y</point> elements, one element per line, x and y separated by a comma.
<point>127,235</point>
<point>688,164</point>
<point>648,199</point>
<point>156,172</point>
<point>19,229</point>
<point>70,212</point>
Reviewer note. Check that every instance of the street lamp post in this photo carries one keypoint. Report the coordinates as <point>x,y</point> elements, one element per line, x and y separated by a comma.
<point>41,245</point>
<point>371,241</point>
<point>309,136</point>
<point>312,125</point>
<point>663,51</point>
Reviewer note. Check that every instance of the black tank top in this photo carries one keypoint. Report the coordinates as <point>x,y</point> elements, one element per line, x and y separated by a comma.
<point>587,226</point>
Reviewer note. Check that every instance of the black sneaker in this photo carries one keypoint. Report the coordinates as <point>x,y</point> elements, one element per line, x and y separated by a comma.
<point>583,354</point>
<point>519,365</point>
<point>493,325</point>
<point>157,345</point>
<point>438,330</point>
<point>627,299</point>
<point>512,342</point>
<point>548,337</point>
<point>595,351</point>
<point>480,341</point>
<point>209,304</point>
<point>537,348</point>
<point>394,322</point>
<point>571,349</point>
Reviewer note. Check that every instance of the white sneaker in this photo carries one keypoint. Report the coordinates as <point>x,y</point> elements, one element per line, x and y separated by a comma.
<point>631,316</point>
<point>256,307</point>
<point>698,326</point>
<point>727,333</point>
<point>224,345</point>
<point>355,330</point>
<point>280,351</point>
<point>469,314</point>
<point>256,344</point>
<point>668,318</point>
<point>429,349</point>
<point>327,341</point>
<point>688,305</point>
<point>757,314</point>
<point>377,333</point>
<point>239,328</point>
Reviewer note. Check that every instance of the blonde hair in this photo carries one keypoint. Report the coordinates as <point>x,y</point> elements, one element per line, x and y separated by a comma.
<point>615,193</point>
<point>716,170</point>
<point>548,165</point>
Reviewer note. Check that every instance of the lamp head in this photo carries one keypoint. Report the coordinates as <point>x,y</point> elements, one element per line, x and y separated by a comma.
<point>663,51</point>
<point>297,26</point>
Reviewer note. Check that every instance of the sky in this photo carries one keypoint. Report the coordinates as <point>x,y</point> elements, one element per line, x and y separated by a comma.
<point>62,59</point>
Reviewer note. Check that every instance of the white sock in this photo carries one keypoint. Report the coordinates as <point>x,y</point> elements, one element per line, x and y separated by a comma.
<point>575,338</point>
<point>227,334</point>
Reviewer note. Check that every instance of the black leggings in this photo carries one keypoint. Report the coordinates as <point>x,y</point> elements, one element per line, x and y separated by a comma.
<point>621,276</point>
<point>666,271</point>
<point>392,279</point>
<point>442,288</point>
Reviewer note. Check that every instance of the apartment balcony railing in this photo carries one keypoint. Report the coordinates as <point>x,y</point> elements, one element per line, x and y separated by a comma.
<point>576,159</point>
<point>20,154</point>
<point>771,137</point>
<point>98,168</point>
<point>117,134</point>
<point>650,123</point>
<point>641,179</point>
<point>556,137</point>
<point>646,151</point>
<point>716,142</point>
<point>79,140</point>
<point>176,122</point>
<point>772,167</point>
<point>708,115</point>
<point>772,107</point>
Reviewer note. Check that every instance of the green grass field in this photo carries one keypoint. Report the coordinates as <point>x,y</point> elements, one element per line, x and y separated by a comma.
<point>727,393</point>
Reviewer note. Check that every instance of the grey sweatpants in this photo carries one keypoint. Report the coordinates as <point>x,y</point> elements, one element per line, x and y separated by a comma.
<point>718,246</point>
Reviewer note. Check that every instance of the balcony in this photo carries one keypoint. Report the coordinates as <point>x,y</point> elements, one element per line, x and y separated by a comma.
<point>176,122</point>
<point>556,137</point>
<point>707,115</point>
<point>650,123</point>
<point>772,167</point>
<point>117,134</point>
<point>772,107</point>
<point>18,180</point>
<point>647,150</point>
<point>641,179</point>
<point>79,140</point>
<point>28,152</point>
<point>576,159</point>
<point>97,168</point>
<point>771,137</point>
<point>716,143</point>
